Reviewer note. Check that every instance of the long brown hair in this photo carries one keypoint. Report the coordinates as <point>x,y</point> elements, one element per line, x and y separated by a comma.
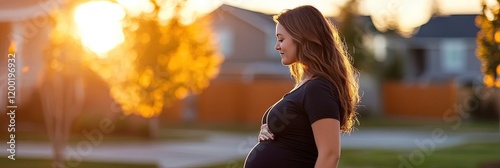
<point>321,52</point>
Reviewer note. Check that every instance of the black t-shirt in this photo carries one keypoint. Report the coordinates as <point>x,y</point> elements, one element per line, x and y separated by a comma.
<point>290,121</point>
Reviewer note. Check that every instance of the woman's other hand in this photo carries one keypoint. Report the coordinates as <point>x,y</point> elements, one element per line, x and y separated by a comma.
<point>265,134</point>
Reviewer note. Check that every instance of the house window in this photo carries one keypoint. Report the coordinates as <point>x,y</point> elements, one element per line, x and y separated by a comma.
<point>419,60</point>
<point>380,47</point>
<point>225,40</point>
<point>453,55</point>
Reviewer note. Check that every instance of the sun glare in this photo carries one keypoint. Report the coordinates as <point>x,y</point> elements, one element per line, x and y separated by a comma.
<point>99,25</point>
<point>136,7</point>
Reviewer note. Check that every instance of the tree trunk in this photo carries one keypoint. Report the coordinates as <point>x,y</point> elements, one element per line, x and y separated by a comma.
<point>58,154</point>
<point>154,126</point>
<point>62,100</point>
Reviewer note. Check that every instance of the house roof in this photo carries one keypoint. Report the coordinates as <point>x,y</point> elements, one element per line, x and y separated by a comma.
<point>25,9</point>
<point>449,26</point>
<point>258,20</point>
<point>439,26</point>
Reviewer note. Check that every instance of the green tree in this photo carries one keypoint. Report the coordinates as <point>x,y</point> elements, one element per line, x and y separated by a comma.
<point>488,42</point>
<point>488,52</point>
<point>171,60</point>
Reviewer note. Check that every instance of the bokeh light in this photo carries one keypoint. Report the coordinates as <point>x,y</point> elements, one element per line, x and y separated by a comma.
<point>489,81</point>
<point>99,24</point>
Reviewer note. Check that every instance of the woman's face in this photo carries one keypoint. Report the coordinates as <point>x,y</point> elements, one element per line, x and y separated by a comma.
<point>286,46</point>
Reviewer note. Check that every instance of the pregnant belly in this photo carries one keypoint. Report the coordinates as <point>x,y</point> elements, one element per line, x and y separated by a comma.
<point>275,155</point>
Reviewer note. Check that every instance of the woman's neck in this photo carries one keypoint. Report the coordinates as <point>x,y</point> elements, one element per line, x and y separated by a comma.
<point>306,76</point>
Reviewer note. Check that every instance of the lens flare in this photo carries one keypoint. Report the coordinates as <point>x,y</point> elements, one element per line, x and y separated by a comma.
<point>99,25</point>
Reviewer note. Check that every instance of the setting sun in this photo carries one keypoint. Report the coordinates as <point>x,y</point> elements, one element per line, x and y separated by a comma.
<point>99,25</point>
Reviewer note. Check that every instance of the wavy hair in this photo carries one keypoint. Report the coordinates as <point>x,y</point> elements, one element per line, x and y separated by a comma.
<point>321,52</point>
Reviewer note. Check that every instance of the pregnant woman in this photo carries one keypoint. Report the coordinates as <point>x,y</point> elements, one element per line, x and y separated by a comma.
<point>303,128</point>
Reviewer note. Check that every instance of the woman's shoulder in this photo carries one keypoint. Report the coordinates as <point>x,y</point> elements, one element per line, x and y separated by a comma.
<point>319,89</point>
<point>319,82</point>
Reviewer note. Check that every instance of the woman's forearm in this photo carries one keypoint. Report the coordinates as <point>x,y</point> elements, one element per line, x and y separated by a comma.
<point>327,161</point>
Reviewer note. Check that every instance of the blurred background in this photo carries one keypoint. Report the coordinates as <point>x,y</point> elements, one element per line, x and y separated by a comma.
<point>184,83</point>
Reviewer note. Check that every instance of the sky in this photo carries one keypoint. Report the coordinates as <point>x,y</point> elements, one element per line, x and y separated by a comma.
<point>329,7</point>
<point>411,13</point>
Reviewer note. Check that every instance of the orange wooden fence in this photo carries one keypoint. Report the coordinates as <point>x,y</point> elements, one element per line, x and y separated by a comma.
<point>432,100</point>
<point>233,101</point>
<point>236,101</point>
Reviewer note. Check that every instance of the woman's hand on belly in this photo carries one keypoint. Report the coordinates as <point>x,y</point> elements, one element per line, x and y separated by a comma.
<point>265,134</point>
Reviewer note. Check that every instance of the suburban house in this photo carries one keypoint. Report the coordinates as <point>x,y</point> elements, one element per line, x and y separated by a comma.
<point>444,49</point>
<point>439,60</point>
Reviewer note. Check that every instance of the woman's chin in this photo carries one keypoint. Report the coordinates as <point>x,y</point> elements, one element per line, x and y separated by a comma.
<point>286,63</point>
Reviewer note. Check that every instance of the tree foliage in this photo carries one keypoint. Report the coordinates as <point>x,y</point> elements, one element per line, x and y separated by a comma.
<point>159,62</point>
<point>353,36</point>
<point>488,42</point>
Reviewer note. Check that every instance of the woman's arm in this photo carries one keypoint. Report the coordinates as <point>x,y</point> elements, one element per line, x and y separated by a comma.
<point>327,136</point>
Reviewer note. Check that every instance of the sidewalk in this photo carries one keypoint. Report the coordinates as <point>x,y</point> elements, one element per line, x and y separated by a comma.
<point>221,147</point>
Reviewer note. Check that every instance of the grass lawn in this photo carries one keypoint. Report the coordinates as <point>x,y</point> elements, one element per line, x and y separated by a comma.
<point>425,124</point>
<point>465,156</point>
<point>43,163</point>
